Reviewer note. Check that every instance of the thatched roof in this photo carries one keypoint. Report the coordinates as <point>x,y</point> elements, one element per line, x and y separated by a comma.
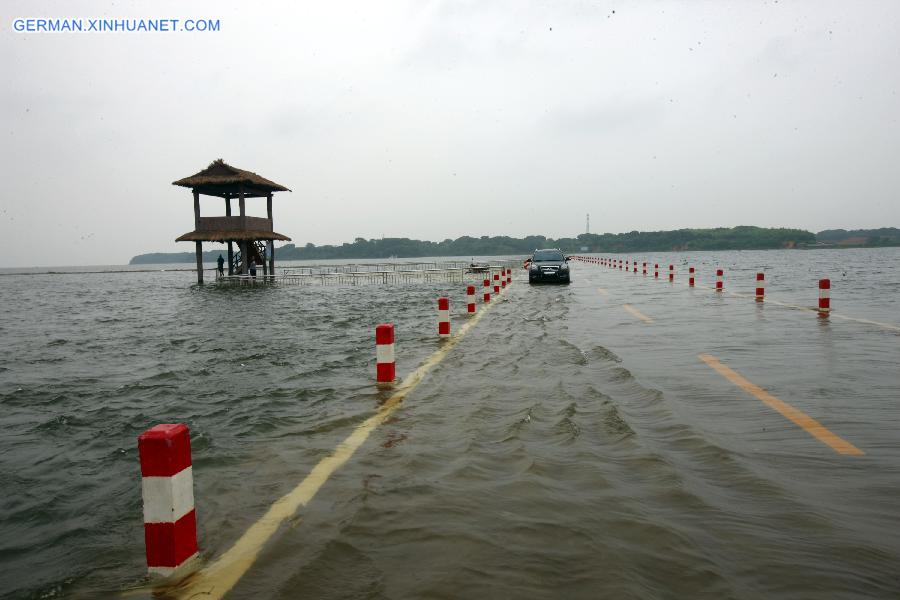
<point>221,179</point>
<point>235,236</point>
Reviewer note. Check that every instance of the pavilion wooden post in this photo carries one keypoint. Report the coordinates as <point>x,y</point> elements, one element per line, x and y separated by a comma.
<point>200,263</point>
<point>199,243</point>
<point>244,245</point>
<point>271,243</point>
<point>230,247</point>
<point>272,259</point>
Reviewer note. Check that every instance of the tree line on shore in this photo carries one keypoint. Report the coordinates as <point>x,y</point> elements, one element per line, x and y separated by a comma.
<point>722,238</point>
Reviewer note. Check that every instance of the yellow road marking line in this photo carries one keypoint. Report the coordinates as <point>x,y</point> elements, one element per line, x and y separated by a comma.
<point>218,578</point>
<point>798,417</point>
<point>811,309</point>
<point>603,292</point>
<point>635,312</point>
<point>858,320</point>
<point>837,315</point>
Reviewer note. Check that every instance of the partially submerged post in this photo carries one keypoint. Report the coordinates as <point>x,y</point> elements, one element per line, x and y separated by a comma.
<point>252,234</point>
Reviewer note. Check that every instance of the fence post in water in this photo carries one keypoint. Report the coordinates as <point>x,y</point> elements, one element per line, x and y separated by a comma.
<point>671,273</point>
<point>167,485</point>
<point>824,297</point>
<point>470,296</point>
<point>691,277</point>
<point>385,365</point>
<point>719,273</point>
<point>487,291</point>
<point>760,287</point>
<point>444,317</point>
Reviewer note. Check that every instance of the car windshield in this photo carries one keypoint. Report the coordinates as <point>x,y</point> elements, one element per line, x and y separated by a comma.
<point>542,255</point>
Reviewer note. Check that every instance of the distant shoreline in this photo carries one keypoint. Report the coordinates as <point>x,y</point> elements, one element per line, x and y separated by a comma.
<point>117,269</point>
<point>681,240</point>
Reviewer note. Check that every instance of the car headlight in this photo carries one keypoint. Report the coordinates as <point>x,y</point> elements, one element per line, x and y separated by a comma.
<point>564,267</point>
<point>533,267</point>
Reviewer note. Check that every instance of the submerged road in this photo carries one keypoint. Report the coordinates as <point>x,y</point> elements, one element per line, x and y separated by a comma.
<point>618,437</point>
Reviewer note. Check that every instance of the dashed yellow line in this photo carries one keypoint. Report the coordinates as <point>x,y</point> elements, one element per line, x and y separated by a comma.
<point>218,578</point>
<point>635,312</point>
<point>797,416</point>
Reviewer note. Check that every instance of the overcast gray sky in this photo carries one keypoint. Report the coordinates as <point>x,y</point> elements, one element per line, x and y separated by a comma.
<point>438,119</point>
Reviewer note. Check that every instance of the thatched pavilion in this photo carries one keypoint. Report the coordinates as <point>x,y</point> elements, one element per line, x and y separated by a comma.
<point>250,233</point>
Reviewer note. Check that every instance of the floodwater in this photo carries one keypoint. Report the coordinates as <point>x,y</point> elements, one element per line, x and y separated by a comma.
<point>565,448</point>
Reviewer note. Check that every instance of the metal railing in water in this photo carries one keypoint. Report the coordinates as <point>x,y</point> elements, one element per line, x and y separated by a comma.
<point>385,273</point>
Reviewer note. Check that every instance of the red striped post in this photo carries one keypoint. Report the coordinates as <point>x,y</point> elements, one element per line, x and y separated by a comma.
<point>508,276</point>
<point>691,277</point>
<point>645,269</point>
<point>167,485</point>
<point>444,317</point>
<point>620,264</point>
<point>496,283</point>
<point>635,268</point>
<point>671,273</point>
<point>719,274</point>
<point>503,277</point>
<point>656,270</point>
<point>470,297</point>
<point>385,363</point>
<point>760,287</point>
<point>487,291</point>
<point>824,297</point>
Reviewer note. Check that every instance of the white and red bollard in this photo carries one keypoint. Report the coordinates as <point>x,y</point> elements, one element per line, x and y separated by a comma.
<point>167,485</point>
<point>444,317</point>
<point>655,270</point>
<point>824,297</point>
<point>690,276</point>
<point>620,264</point>
<point>760,287</point>
<point>385,363</point>
<point>719,274</point>
<point>496,283</point>
<point>470,297</point>
<point>635,268</point>
<point>671,273</point>
<point>508,276</point>
<point>503,277</point>
<point>487,291</point>
<point>645,269</point>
